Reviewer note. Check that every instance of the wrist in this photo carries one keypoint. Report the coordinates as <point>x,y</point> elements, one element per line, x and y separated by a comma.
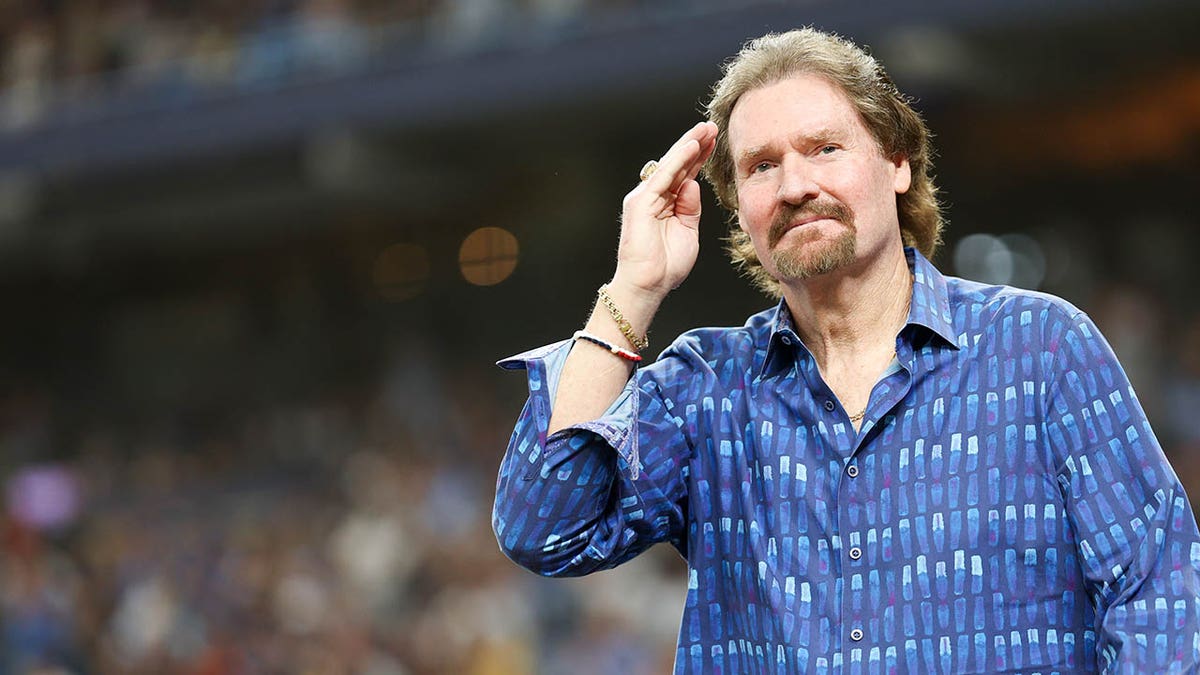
<point>627,309</point>
<point>636,299</point>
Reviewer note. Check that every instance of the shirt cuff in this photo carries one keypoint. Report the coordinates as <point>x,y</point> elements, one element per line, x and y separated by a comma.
<point>616,426</point>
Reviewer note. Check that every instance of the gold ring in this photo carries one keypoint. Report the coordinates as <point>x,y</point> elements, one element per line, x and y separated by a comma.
<point>648,170</point>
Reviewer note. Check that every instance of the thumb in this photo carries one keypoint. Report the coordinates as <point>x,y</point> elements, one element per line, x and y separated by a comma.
<point>687,202</point>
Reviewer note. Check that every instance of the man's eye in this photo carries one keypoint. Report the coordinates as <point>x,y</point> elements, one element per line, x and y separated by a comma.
<point>828,149</point>
<point>761,166</point>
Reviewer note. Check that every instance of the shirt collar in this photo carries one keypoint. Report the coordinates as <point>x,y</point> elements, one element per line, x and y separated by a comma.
<point>931,300</point>
<point>930,308</point>
<point>782,342</point>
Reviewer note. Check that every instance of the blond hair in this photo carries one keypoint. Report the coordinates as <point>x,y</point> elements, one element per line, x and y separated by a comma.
<point>886,113</point>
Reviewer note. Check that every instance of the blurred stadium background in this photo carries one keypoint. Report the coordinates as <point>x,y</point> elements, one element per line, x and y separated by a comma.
<point>257,259</point>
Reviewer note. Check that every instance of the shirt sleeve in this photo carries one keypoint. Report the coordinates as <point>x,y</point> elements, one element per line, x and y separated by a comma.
<point>1137,539</point>
<point>594,495</point>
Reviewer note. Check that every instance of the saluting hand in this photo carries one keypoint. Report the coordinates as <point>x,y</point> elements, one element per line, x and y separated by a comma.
<point>660,219</point>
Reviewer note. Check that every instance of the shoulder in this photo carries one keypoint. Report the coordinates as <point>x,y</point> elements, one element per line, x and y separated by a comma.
<point>717,341</point>
<point>710,346</point>
<point>977,305</point>
<point>1014,321</point>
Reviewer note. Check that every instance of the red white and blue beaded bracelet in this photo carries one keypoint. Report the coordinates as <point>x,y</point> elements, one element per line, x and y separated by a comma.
<point>599,341</point>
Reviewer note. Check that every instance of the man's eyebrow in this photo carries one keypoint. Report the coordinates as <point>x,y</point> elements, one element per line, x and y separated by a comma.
<point>821,135</point>
<point>752,153</point>
<point>804,139</point>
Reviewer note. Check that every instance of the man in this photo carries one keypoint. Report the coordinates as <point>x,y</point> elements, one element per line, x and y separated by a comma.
<point>891,471</point>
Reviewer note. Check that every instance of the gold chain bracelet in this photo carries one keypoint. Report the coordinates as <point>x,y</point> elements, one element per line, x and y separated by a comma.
<point>639,342</point>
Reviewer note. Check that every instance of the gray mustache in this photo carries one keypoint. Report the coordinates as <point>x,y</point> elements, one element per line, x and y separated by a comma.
<point>834,210</point>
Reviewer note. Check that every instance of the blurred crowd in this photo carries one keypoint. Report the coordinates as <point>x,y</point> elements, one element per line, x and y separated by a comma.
<point>345,535</point>
<point>52,53</point>
<point>57,53</point>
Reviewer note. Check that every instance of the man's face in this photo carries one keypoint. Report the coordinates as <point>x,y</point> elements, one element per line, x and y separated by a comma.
<point>815,192</point>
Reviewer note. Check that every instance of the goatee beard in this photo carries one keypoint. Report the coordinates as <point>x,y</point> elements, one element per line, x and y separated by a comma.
<point>805,260</point>
<point>816,258</point>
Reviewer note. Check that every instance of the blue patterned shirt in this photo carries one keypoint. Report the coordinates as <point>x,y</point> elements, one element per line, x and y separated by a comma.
<point>1005,506</point>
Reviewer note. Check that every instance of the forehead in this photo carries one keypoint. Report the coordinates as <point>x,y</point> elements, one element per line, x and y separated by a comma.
<point>800,105</point>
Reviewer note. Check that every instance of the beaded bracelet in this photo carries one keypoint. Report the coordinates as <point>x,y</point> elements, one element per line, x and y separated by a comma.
<point>597,340</point>
<point>639,342</point>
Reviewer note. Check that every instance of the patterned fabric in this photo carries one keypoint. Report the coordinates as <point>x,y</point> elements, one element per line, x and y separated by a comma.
<point>1004,508</point>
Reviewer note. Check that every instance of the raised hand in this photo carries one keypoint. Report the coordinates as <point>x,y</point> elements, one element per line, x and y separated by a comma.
<point>660,238</point>
<point>660,220</point>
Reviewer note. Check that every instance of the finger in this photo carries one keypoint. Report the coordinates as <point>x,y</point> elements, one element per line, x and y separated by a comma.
<point>666,179</point>
<point>677,169</point>
<point>682,162</point>
<point>705,135</point>
<point>706,150</point>
<point>699,133</point>
<point>668,175</point>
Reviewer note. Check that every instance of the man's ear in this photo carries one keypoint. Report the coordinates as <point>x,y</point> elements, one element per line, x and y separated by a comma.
<point>737,216</point>
<point>903,178</point>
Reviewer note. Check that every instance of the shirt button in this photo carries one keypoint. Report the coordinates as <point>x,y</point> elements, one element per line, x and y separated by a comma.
<point>856,634</point>
<point>855,553</point>
<point>829,405</point>
<point>786,340</point>
<point>852,471</point>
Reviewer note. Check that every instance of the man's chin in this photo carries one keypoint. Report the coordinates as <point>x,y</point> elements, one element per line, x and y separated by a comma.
<point>813,259</point>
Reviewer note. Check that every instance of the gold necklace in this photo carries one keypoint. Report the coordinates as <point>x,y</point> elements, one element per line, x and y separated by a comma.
<point>856,417</point>
<point>859,415</point>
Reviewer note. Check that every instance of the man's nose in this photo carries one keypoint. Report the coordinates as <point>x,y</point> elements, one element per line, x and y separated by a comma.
<point>796,184</point>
